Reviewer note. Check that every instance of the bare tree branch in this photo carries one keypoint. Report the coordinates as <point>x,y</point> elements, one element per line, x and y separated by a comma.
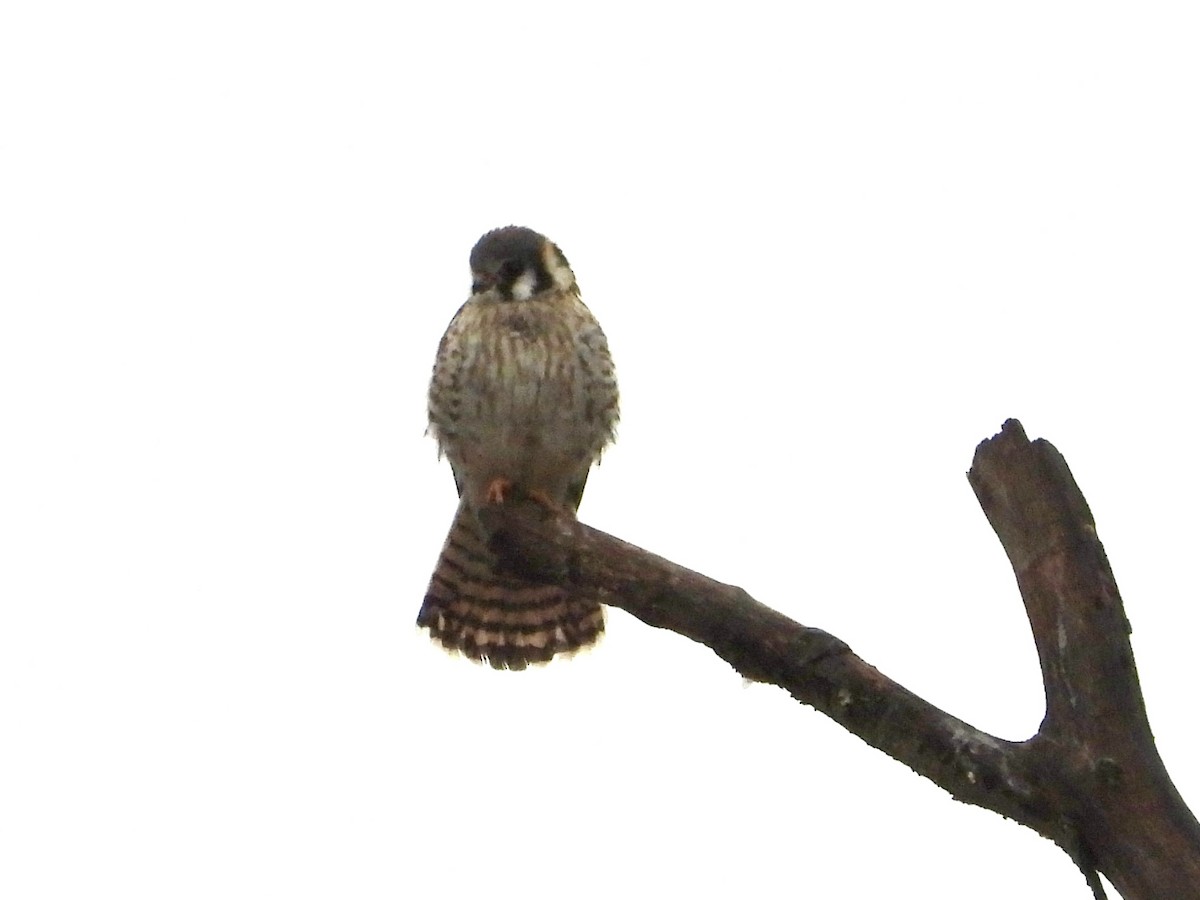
<point>1091,779</point>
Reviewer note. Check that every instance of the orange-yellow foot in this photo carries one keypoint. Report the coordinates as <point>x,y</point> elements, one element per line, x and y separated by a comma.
<point>545,500</point>
<point>496,490</point>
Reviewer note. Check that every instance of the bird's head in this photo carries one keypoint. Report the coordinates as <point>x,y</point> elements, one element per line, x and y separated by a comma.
<point>518,263</point>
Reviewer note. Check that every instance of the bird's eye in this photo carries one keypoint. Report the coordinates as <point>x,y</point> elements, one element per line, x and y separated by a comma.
<point>482,280</point>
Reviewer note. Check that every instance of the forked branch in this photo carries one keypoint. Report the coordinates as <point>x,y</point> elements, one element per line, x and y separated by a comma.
<point>1091,779</point>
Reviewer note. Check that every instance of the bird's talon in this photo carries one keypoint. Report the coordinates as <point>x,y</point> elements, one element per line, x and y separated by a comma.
<point>544,499</point>
<point>497,489</point>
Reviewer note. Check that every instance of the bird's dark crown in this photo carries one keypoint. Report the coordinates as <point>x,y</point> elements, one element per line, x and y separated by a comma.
<point>503,256</point>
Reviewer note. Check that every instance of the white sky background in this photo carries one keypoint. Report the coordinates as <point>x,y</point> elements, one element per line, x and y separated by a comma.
<point>833,246</point>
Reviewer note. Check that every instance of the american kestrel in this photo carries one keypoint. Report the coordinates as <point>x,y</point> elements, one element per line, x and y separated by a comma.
<point>522,402</point>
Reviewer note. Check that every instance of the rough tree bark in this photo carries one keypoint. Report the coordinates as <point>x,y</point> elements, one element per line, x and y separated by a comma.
<point>1091,779</point>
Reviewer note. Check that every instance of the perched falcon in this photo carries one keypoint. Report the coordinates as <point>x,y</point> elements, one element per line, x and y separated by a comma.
<point>523,400</point>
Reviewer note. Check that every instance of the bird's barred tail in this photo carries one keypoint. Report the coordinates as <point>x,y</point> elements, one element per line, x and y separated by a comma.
<point>495,618</point>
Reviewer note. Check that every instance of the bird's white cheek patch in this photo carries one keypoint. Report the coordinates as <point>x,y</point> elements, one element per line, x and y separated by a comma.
<point>561,274</point>
<point>559,271</point>
<point>522,288</point>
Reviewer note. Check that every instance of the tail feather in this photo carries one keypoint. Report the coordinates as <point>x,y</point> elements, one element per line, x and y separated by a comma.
<point>494,618</point>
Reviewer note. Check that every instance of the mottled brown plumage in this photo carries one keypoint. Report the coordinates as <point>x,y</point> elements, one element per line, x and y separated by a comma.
<point>523,399</point>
